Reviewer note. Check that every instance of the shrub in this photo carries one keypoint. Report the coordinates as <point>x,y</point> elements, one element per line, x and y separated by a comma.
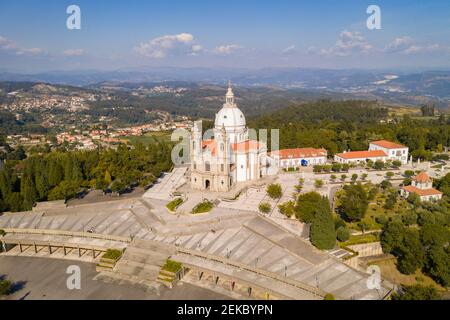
<point>390,174</point>
<point>286,208</point>
<point>2,232</point>
<point>343,234</point>
<point>336,167</point>
<point>113,254</point>
<point>274,190</point>
<point>5,287</point>
<point>265,207</point>
<point>172,266</point>
<point>378,165</point>
<point>329,296</point>
<point>318,183</point>
<point>203,207</point>
<point>174,204</point>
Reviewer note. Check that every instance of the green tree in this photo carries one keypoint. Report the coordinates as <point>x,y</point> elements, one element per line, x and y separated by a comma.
<point>410,254</point>
<point>354,202</point>
<point>323,234</point>
<point>308,204</point>
<point>417,292</point>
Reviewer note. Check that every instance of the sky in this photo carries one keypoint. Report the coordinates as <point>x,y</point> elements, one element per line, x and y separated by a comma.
<point>132,34</point>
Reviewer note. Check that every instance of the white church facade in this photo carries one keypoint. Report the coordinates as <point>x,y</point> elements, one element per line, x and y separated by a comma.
<point>230,156</point>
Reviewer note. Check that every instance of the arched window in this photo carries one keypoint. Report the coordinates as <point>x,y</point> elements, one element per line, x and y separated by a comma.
<point>207,166</point>
<point>221,147</point>
<point>193,145</point>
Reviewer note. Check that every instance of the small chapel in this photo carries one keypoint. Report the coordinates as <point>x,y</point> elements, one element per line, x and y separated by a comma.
<point>230,156</point>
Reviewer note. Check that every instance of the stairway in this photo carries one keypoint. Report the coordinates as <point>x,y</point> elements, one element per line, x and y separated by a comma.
<point>141,263</point>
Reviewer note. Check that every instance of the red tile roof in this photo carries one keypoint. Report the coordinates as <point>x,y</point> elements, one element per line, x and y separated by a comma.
<point>422,177</point>
<point>362,154</point>
<point>210,144</point>
<point>246,146</point>
<point>300,153</point>
<point>422,192</point>
<point>388,144</point>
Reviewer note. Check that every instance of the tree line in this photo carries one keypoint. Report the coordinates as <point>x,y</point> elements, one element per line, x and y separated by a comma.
<point>61,175</point>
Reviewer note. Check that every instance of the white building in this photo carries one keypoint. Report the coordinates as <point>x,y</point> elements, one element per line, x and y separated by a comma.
<point>298,157</point>
<point>229,157</point>
<point>394,151</point>
<point>360,156</point>
<point>422,185</point>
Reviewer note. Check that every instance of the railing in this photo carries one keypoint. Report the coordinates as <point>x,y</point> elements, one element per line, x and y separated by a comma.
<point>68,234</point>
<point>310,289</point>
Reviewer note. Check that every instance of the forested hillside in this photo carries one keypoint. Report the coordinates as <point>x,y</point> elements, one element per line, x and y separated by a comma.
<point>351,125</point>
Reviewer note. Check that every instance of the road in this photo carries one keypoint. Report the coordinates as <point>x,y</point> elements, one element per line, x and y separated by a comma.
<point>42,278</point>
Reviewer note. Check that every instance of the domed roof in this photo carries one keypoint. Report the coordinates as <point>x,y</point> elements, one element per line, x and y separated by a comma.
<point>230,116</point>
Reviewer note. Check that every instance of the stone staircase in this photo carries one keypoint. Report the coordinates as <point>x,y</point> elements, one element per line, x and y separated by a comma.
<point>141,264</point>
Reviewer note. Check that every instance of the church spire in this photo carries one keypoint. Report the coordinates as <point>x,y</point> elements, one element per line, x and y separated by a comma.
<point>229,97</point>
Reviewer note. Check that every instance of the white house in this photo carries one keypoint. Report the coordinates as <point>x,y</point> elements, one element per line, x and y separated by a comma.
<point>394,150</point>
<point>360,156</point>
<point>298,157</point>
<point>422,185</point>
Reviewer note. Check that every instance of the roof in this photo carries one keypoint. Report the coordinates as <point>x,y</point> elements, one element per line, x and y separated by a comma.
<point>246,146</point>
<point>300,153</point>
<point>362,154</point>
<point>422,177</point>
<point>422,192</point>
<point>211,145</point>
<point>388,144</point>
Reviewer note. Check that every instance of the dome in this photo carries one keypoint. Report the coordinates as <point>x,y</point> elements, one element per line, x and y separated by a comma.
<point>230,116</point>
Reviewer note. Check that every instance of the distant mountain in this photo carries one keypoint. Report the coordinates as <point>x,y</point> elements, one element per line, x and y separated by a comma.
<point>402,87</point>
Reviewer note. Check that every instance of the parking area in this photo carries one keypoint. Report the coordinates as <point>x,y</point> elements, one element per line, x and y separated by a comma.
<point>42,278</point>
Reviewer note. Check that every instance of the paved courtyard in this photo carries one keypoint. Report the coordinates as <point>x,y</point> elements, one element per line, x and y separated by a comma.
<point>41,278</point>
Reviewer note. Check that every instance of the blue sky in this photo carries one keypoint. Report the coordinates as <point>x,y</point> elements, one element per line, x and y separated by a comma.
<point>246,34</point>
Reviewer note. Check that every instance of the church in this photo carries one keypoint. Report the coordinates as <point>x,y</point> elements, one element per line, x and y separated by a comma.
<point>230,156</point>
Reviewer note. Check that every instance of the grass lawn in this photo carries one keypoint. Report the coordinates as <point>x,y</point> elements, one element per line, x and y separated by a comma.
<point>203,207</point>
<point>359,239</point>
<point>149,137</point>
<point>389,272</point>
<point>174,204</point>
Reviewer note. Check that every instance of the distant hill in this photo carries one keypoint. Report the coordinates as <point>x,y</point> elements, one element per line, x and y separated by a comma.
<point>391,86</point>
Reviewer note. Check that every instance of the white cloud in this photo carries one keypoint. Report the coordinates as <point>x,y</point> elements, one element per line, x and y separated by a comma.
<point>290,49</point>
<point>31,51</point>
<point>160,47</point>
<point>407,45</point>
<point>348,43</point>
<point>226,49</point>
<point>7,44</point>
<point>73,52</point>
<point>11,46</point>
